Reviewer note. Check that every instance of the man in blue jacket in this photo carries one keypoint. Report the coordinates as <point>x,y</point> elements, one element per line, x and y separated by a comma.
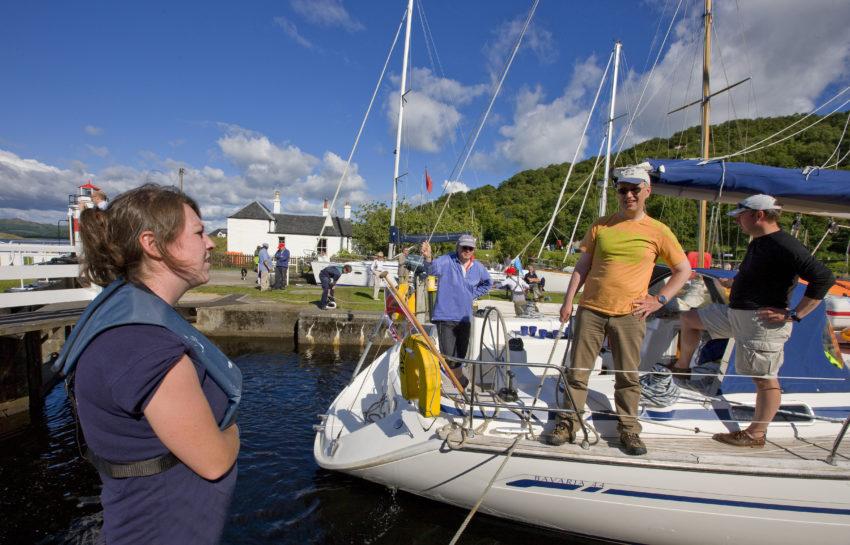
<point>281,267</point>
<point>461,279</point>
<point>329,277</point>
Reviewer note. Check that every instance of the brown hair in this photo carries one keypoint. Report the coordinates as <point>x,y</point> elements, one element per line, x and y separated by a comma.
<point>110,237</point>
<point>772,215</point>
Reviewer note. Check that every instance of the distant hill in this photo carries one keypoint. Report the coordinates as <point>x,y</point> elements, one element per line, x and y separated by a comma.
<point>30,229</point>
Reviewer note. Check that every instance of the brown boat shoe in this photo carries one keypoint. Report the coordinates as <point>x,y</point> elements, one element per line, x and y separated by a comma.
<point>739,439</point>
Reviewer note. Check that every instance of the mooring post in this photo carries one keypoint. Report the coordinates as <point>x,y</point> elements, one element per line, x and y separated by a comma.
<point>32,347</point>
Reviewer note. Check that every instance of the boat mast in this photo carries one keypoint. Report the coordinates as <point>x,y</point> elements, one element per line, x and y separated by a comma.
<point>603,196</point>
<point>706,129</point>
<point>397,151</point>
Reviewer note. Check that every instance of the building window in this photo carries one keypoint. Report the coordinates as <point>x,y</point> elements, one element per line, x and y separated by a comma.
<point>322,246</point>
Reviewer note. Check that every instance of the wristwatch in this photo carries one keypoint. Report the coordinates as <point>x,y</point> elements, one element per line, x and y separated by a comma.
<point>662,299</point>
<point>792,313</point>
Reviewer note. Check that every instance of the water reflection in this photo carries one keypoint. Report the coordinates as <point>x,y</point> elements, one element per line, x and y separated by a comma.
<point>49,495</point>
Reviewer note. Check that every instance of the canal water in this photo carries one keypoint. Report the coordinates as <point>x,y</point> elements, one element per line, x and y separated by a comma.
<point>49,496</point>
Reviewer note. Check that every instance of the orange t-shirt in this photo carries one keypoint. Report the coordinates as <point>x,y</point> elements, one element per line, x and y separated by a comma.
<point>624,253</point>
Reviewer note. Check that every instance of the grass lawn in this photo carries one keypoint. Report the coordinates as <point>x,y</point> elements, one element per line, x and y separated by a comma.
<point>6,284</point>
<point>355,298</point>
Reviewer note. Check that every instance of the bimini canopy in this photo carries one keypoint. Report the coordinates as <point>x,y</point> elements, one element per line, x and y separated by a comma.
<point>810,364</point>
<point>815,191</point>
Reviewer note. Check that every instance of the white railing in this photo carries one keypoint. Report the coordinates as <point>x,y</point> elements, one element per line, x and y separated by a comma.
<point>19,262</point>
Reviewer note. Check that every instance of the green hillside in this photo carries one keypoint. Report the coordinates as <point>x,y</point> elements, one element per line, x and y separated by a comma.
<point>511,215</point>
<point>29,229</point>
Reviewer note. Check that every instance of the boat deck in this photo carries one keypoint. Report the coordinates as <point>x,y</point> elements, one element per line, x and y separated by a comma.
<point>799,457</point>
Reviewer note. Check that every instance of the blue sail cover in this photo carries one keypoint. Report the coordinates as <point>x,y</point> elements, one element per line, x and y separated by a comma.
<point>805,354</point>
<point>821,192</point>
<point>396,237</point>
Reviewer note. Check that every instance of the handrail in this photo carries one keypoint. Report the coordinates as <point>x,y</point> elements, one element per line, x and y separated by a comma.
<point>831,458</point>
<point>515,405</point>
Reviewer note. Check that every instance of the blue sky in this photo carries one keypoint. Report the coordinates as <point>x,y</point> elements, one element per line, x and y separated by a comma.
<point>255,96</point>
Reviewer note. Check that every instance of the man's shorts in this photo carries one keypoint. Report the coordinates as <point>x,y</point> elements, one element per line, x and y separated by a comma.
<point>759,345</point>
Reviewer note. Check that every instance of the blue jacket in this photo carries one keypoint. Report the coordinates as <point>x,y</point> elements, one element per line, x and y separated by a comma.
<point>456,292</point>
<point>333,272</point>
<point>122,303</point>
<point>282,258</point>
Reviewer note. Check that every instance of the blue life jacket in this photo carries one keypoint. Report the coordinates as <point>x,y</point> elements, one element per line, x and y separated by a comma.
<point>123,303</point>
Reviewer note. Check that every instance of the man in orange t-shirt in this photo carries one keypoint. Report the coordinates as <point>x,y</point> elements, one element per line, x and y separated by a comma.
<point>619,253</point>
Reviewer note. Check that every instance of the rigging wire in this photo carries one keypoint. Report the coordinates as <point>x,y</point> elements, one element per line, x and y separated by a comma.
<point>838,145</point>
<point>575,156</point>
<point>363,123</point>
<point>458,171</point>
<point>755,147</point>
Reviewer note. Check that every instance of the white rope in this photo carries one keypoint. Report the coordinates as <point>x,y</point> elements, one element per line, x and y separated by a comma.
<point>457,172</point>
<point>838,145</point>
<point>755,147</point>
<point>363,123</point>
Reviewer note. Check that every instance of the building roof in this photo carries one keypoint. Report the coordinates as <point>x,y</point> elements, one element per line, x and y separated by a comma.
<point>291,224</point>
<point>254,211</point>
<point>219,231</point>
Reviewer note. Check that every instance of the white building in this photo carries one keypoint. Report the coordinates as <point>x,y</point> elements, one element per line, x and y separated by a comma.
<point>255,224</point>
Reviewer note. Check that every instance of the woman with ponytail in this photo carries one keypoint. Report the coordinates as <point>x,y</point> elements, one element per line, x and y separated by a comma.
<point>156,401</point>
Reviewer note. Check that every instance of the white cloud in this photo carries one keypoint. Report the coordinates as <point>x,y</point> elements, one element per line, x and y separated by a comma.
<point>537,39</point>
<point>791,64</point>
<point>263,162</point>
<point>29,184</point>
<point>543,133</point>
<point>327,13</point>
<point>91,130</point>
<point>291,30</point>
<point>100,151</point>
<point>431,109</point>
<point>455,187</point>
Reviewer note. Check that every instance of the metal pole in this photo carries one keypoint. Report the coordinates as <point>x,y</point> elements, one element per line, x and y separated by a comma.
<point>706,128</point>
<point>603,197</point>
<point>180,172</point>
<point>397,152</point>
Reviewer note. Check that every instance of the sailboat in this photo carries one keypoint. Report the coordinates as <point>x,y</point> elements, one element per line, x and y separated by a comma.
<point>403,421</point>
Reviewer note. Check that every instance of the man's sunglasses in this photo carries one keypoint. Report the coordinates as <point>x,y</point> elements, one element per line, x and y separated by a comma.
<point>467,248</point>
<point>632,190</point>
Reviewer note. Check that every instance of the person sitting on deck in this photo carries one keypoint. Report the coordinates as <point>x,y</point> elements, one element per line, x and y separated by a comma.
<point>329,277</point>
<point>461,280</point>
<point>537,284</point>
<point>758,316</point>
<point>619,254</point>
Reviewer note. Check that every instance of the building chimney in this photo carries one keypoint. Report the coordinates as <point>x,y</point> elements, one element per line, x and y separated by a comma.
<point>325,209</point>
<point>276,202</point>
<point>346,211</point>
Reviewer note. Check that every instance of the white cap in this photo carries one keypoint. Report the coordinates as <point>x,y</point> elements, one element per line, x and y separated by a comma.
<point>635,174</point>
<point>466,240</point>
<point>756,202</point>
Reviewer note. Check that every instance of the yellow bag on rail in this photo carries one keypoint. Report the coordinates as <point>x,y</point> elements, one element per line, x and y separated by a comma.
<point>419,374</point>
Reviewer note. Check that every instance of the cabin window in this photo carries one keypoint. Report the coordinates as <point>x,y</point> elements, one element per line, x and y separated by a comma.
<point>796,412</point>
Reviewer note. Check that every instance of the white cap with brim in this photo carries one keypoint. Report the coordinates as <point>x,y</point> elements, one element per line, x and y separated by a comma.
<point>756,202</point>
<point>466,240</point>
<point>635,174</point>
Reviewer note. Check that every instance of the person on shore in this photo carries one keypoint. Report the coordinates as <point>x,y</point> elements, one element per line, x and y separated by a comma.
<point>516,287</point>
<point>155,399</point>
<point>328,278</point>
<point>256,262</point>
<point>99,199</point>
<point>462,279</point>
<point>376,269</point>
<point>758,316</point>
<point>535,283</point>
<point>281,267</point>
<point>265,267</point>
<point>619,253</point>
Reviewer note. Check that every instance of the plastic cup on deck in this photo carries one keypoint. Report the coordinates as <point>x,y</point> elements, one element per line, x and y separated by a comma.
<point>532,330</point>
<point>523,330</point>
<point>543,333</point>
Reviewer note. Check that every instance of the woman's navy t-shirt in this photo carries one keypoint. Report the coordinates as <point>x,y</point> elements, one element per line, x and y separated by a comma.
<point>116,377</point>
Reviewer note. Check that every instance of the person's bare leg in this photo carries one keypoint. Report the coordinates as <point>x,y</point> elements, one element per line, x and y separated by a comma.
<point>689,335</point>
<point>768,399</point>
